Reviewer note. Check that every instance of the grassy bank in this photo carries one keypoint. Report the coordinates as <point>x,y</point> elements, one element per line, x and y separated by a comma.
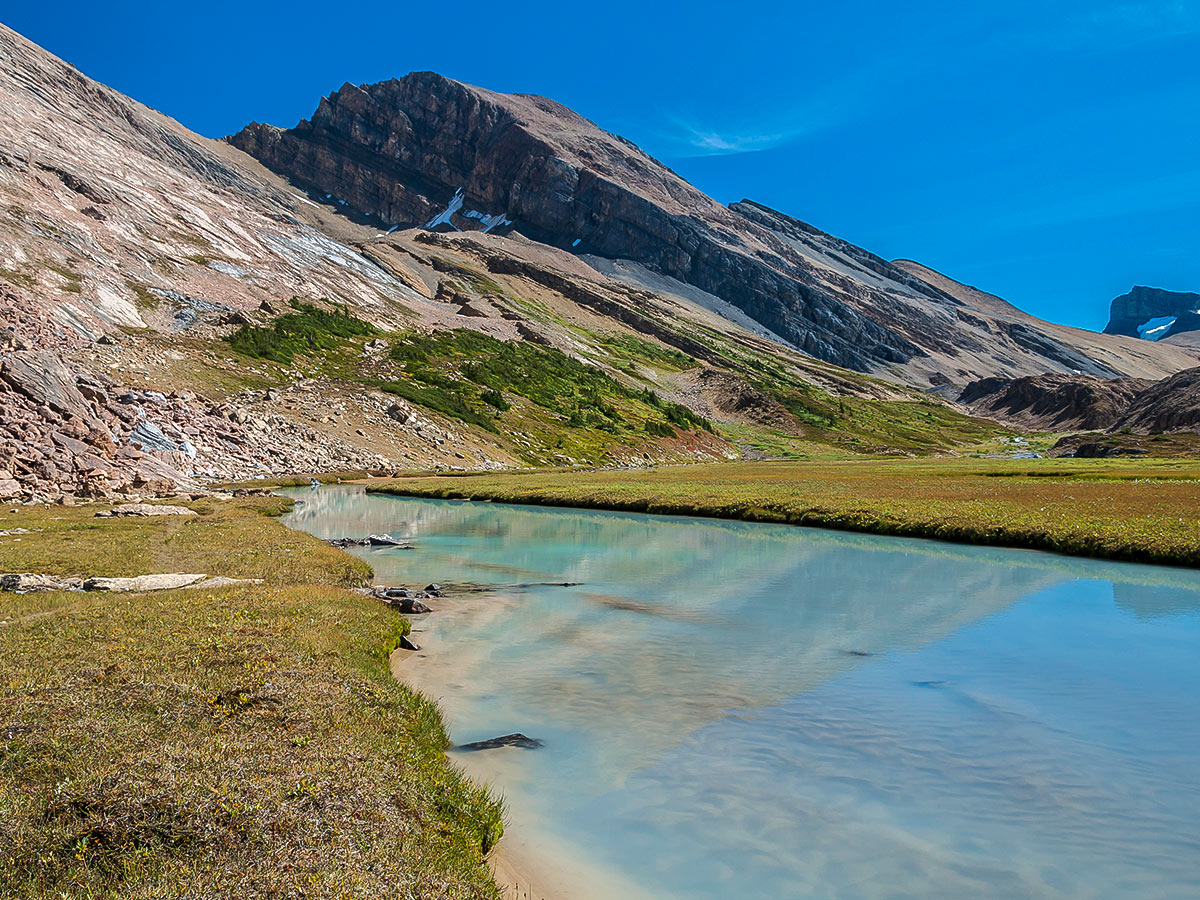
<point>247,741</point>
<point>1144,511</point>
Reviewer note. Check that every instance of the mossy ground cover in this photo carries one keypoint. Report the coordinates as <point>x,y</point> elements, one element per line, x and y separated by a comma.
<point>247,741</point>
<point>1145,511</point>
<point>307,329</point>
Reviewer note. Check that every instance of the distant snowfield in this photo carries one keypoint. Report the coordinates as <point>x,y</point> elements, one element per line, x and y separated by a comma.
<point>1155,328</point>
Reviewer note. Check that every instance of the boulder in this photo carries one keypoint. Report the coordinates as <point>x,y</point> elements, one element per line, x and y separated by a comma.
<point>408,605</point>
<point>165,582</point>
<point>26,582</point>
<point>43,377</point>
<point>144,509</point>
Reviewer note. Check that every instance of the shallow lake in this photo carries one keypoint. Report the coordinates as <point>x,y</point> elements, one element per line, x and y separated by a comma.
<point>758,711</point>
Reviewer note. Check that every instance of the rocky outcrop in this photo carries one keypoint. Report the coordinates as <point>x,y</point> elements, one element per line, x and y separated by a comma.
<point>69,433</point>
<point>1053,402</point>
<point>1085,403</point>
<point>26,582</point>
<point>32,583</point>
<point>164,582</point>
<point>61,433</point>
<point>1153,313</point>
<point>1172,404</point>
<point>141,510</point>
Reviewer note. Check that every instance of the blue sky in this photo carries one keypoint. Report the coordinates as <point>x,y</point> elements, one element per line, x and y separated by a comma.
<point>1044,151</point>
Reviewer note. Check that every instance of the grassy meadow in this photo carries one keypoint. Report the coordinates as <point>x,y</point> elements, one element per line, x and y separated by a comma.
<point>245,741</point>
<point>1144,511</point>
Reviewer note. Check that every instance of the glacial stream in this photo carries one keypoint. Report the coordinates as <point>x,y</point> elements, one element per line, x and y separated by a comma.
<point>758,711</point>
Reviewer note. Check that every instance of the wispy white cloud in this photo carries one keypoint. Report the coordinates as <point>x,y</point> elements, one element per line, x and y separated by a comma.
<point>808,108</point>
<point>690,139</point>
<point>973,38</point>
<point>1138,22</point>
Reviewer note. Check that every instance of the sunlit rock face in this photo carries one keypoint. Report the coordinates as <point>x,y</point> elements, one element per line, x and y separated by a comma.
<point>427,151</point>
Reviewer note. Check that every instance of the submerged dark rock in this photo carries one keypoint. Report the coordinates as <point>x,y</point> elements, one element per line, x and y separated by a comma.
<point>371,540</point>
<point>409,605</point>
<point>508,740</point>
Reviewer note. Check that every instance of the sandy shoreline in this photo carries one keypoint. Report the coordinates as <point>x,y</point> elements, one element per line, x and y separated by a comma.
<point>527,863</point>
<point>520,870</point>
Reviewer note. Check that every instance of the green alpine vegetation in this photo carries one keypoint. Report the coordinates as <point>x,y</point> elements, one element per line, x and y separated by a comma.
<point>308,329</point>
<point>469,376</point>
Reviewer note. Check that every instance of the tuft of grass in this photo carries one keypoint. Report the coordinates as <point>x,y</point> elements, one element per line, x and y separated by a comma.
<point>74,281</point>
<point>142,295</point>
<point>246,741</point>
<point>309,329</point>
<point>1141,511</point>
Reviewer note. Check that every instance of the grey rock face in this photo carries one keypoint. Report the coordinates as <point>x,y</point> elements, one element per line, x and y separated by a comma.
<point>1052,401</point>
<point>1131,311</point>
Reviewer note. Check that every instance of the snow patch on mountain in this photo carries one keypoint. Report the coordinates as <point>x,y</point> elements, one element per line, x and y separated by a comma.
<point>443,218</point>
<point>1153,329</point>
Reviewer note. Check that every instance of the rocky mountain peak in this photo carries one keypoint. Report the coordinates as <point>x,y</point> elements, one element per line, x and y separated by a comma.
<point>425,151</point>
<point>1153,313</point>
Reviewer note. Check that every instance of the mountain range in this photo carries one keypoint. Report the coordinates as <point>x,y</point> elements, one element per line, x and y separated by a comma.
<point>427,273</point>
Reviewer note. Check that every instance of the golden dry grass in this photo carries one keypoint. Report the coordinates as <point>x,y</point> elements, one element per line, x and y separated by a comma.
<point>1146,511</point>
<point>246,742</point>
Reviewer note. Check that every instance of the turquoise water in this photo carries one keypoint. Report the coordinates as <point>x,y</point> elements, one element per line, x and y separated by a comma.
<point>758,711</point>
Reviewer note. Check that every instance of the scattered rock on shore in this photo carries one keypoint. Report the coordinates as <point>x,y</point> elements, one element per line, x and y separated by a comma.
<point>145,509</point>
<point>403,599</point>
<point>164,582</point>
